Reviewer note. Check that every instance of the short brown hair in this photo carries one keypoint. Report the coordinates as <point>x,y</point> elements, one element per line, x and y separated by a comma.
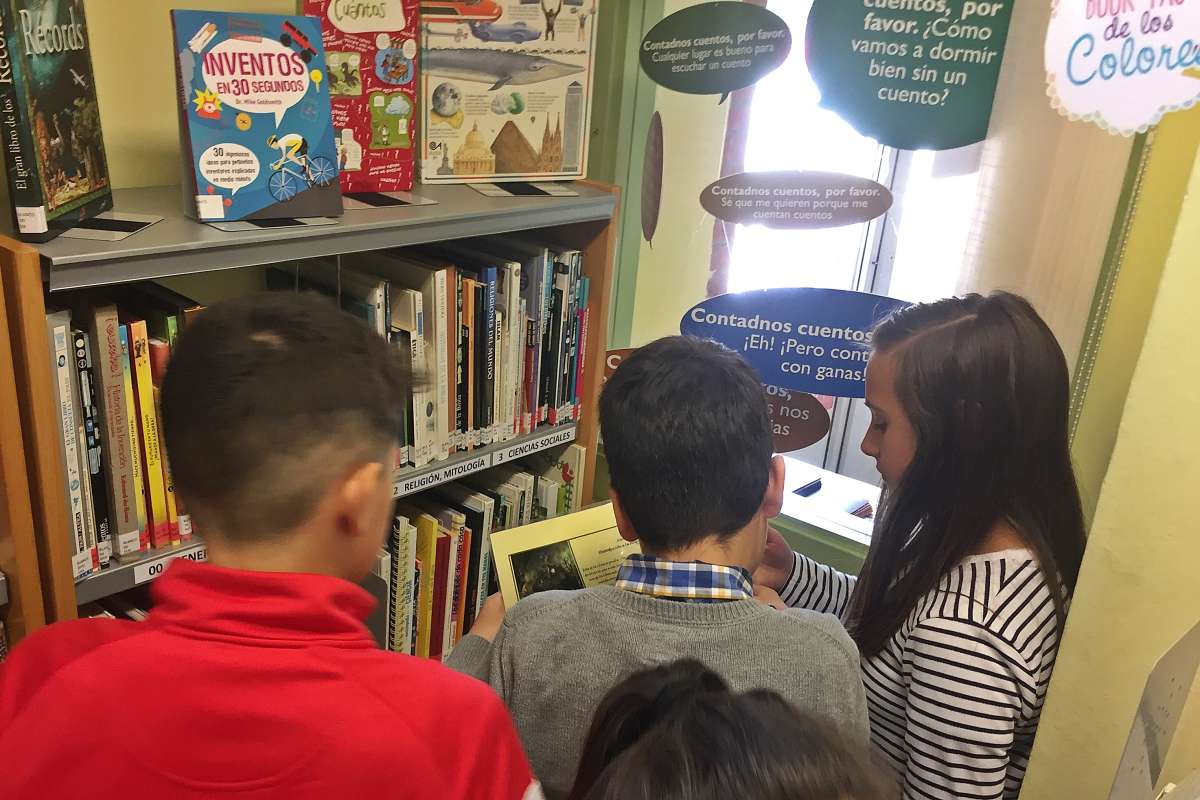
<point>267,400</point>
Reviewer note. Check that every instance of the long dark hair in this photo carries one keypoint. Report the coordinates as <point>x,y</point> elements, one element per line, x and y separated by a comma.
<point>677,733</point>
<point>984,384</point>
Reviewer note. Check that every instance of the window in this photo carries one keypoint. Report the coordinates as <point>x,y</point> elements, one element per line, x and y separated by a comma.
<point>914,252</point>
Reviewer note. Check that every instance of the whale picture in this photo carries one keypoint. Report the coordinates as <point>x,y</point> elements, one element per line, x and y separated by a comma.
<point>496,67</point>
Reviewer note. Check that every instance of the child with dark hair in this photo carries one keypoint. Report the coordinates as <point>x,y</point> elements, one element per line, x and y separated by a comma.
<point>688,441</point>
<point>963,597</point>
<point>254,674</point>
<point>676,732</point>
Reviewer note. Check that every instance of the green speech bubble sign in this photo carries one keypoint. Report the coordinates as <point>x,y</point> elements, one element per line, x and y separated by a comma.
<point>715,48</point>
<point>911,74</point>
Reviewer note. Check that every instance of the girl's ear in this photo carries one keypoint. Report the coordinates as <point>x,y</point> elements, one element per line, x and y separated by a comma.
<point>772,502</point>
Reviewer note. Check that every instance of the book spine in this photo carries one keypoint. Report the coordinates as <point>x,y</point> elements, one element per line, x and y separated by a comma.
<point>424,418</point>
<point>584,314</point>
<point>544,366</point>
<point>426,568</point>
<point>461,346</point>
<point>443,568</point>
<point>491,355</point>
<point>96,444</point>
<point>118,466</point>
<point>24,183</point>
<point>404,566</point>
<point>483,578</point>
<point>160,354</point>
<point>529,401</point>
<point>451,347</point>
<point>413,647</point>
<point>460,584</point>
<point>442,368</point>
<point>498,344</point>
<point>469,326</point>
<point>81,452</point>
<point>152,471</point>
<point>132,427</point>
<point>553,365</point>
<point>81,560</point>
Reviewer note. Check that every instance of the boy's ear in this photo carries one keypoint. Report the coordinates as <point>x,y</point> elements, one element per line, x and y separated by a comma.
<point>356,498</point>
<point>772,502</point>
<point>624,527</point>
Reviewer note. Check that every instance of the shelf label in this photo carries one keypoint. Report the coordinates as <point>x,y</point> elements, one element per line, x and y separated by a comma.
<point>129,542</point>
<point>81,564</point>
<point>415,483</point>
<point>543,442</point>
<point>152,569</point>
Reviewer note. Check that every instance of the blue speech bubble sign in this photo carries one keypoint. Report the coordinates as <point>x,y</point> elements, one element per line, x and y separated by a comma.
<point>809,340</point>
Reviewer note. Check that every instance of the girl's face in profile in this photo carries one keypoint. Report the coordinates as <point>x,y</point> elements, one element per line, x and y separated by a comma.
<point>890,440</point>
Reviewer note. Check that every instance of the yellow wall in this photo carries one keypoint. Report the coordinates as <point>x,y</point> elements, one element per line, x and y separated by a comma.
<point>135,83</point>
<point>1171,147</point>
<point>1138,590</point>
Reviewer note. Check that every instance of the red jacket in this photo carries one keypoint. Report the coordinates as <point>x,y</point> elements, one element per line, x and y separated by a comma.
<point>251,684</point>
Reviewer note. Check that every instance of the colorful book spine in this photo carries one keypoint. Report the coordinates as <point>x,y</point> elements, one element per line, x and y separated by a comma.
<point>439,617</point>
<point>456,599</point>
<point>581,356</point>
<point>160,354</point>
<point>427,541</point>
<point>116,450</point>
<point>152,471</point>
<point>133,426</point>
<point>416,611</point>
<point>85,483</point>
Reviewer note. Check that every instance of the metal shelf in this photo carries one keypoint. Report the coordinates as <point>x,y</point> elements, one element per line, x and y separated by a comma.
<point>120,577</point>
<point>410,481</point>
<point>180,246</point>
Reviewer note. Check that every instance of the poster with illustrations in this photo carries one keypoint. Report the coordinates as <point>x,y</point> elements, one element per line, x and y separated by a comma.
<point>506,89</point>
<point>371,61</point>
<point>254,116</point>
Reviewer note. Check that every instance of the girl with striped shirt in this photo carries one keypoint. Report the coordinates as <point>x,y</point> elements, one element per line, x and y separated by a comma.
<point>960,604</point>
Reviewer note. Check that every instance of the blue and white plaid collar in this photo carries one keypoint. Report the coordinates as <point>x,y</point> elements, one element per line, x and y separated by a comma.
<point>694,581</point>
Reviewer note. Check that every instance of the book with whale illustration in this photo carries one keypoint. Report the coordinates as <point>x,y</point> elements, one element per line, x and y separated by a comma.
<point>506,88</point>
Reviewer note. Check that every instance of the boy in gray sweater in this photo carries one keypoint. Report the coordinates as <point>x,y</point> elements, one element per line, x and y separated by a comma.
<point>688,440</point>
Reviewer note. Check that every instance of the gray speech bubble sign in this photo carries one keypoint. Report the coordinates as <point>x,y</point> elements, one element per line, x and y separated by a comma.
<point>791,199</point>
<point>715,48</point>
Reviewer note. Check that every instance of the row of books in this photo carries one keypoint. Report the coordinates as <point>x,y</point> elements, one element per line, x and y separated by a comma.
<point>438,561</point>
<point>496,327</point>
<point>108,354</point>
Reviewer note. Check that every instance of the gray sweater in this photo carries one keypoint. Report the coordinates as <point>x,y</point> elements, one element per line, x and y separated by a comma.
<point>558,654</point>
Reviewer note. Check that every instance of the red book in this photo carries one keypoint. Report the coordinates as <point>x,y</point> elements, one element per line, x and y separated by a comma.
<point>441,594</point>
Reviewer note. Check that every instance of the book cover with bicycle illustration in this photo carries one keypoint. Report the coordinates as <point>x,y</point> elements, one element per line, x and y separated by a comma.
<point>371,61</point>
<point>254,116</point>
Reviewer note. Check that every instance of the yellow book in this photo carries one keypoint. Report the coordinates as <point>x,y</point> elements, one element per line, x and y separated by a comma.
<point>573,551</point>
<point>156,490</point>
<point>135,456</point>
<point>427,536</point>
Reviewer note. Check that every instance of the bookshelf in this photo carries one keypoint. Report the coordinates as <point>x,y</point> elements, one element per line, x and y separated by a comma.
<point>179,246</point>
<point>119,578</point>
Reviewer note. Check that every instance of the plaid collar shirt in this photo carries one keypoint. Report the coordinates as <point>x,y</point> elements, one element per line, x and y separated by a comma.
<point>692,581</point>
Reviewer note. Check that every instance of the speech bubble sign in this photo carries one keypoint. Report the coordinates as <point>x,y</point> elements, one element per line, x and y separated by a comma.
<point>257,75</point>
<point>798,420</point>
<point>1122,63</point>
<point>366,16</point>
<point>810,340</point>
<point>795,200</point>
<point>715,48</point>
<point>228,165</point>
<point>613,359</point>
<point>913,75</point>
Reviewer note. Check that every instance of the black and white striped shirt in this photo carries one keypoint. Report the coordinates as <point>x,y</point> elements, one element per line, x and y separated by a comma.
<point>955,696</point>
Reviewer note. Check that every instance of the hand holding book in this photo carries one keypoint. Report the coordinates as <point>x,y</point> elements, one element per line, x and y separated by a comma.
<point>490,618</point>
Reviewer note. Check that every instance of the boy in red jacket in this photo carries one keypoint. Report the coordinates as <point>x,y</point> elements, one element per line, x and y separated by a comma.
<point>254,675</point>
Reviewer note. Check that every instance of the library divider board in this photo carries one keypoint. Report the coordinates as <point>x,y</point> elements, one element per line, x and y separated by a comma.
<point>35,540</point>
